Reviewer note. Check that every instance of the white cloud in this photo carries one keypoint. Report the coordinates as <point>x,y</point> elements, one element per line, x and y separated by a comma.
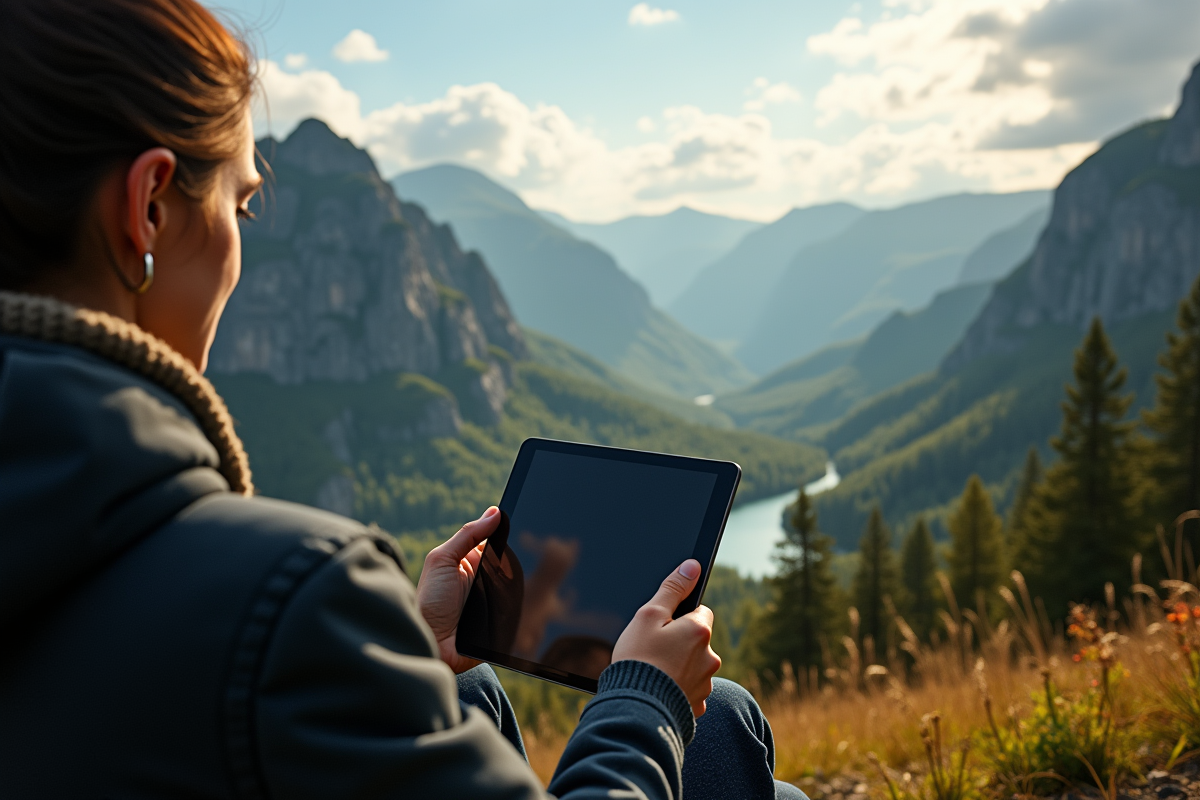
<point>1011,73</point>
<point>764,93</point>
<point>291,98</point>
<point>359,46</point>
<point>645,14</point>
<point>295,60</point>
<point>922,99</point>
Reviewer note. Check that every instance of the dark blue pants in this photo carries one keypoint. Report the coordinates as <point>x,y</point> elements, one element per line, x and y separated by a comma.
<point>732,756</point>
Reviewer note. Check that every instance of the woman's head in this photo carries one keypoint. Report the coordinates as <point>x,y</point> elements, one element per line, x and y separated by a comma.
<point>126,132</point>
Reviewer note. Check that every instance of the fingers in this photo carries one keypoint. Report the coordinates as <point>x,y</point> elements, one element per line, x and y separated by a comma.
<point>471,535</point>
<point>703,615</point>
<point>676,587</point>
<point>474,557</point>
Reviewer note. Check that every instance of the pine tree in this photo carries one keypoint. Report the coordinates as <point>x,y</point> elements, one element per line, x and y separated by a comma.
<point>876,579</point>
<point>1174,422</point>
<point>1083,526</point>
<point>805,609</point>
<point>1018,514</point>
<point>976,545</point>
<point>918,579</point>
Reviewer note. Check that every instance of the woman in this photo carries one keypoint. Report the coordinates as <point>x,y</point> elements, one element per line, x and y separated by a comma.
<point>165,632</point>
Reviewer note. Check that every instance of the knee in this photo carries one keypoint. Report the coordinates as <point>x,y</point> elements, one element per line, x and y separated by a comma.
<point>480,686</point>
<point>732,705</point>
<point>730,697</point>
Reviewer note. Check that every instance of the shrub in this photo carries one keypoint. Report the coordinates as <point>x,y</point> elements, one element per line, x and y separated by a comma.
<point>1063,739</point>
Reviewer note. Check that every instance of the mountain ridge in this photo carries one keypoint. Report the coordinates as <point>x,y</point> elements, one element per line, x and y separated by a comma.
<point>569,288</point>
<point>1121,244</point>
<point>887,260</point>
<point>664,252</point>
<point>723,299</point>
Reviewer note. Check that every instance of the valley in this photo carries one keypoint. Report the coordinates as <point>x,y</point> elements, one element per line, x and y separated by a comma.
<point>910,346</point>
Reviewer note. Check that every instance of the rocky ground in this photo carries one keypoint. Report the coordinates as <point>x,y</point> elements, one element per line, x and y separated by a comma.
<point>1181,783</point>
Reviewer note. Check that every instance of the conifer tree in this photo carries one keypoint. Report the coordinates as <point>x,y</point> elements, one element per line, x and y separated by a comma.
<point>805,609</point>
<point>918,579</point>
<point>1174,421</point>
<point>976,545</point>
<point>1083,526</point>
<point>1031,478</point>
<point>876,579</point>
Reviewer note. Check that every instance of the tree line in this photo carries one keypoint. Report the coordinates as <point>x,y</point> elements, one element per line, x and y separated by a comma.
<point>1072,527</point>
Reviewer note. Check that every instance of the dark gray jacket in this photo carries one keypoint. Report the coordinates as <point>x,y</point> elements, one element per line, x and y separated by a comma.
<point>161,636</point>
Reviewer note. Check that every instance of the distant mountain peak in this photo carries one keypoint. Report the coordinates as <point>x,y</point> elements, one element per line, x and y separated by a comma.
<point>1120,243</point>
<point>442,186</point>
<point>315,148</point>
<point>1181,143</point>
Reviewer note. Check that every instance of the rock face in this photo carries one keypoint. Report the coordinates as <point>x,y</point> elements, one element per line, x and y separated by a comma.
<point>342,281</point>
<point>1123,239</point>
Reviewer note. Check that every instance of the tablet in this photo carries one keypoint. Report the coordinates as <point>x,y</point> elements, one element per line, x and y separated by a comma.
<point>586,536</point>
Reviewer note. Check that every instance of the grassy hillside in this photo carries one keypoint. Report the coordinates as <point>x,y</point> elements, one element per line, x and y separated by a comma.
<point>570,288</point>
<point>911,449</point>
<point>802,399</point>
<point>373,434</point>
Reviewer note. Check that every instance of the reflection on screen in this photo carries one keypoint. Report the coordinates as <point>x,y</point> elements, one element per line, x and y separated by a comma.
<point>587,544</point>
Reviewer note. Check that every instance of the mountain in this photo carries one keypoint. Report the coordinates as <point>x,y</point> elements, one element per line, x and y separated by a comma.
<point>560,356</point>
<point>1121,244</point>
<point>898,258</point>
<point>1002,252</point>
<point>725,298</point>
<point>375,369</point>
<point>663,253</point>
<point>569,288</point>
<point>342,281</point>
<point>800,400</point>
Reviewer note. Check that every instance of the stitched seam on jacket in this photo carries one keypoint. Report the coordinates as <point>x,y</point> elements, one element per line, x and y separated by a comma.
<point>255,634</point>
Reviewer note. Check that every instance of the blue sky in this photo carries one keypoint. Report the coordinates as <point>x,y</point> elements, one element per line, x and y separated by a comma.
<point>601,109</point>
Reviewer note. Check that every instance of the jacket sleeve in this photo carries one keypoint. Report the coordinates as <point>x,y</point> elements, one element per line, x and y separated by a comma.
<point>350,701</point>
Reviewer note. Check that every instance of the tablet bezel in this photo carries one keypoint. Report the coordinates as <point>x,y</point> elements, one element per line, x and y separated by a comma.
<point>728,476</point>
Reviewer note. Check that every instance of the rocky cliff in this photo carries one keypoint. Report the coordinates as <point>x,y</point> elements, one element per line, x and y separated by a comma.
<point>1123,239</point>
<point>342,281</point>
<point>359,327</point>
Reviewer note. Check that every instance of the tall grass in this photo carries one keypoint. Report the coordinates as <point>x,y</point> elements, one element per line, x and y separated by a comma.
<point>1024,706</point>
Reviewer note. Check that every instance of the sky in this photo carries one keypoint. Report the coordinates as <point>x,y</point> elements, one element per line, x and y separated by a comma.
<point>599,109</point>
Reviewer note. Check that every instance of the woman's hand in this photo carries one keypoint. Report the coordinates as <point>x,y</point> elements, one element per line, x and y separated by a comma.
<point>445,582</point>
<point>679,647</point>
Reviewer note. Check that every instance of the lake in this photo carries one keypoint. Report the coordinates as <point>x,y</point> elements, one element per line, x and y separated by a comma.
<point>753,529</point>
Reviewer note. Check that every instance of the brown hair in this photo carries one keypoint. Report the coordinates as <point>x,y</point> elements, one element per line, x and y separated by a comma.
<point>86,84</point>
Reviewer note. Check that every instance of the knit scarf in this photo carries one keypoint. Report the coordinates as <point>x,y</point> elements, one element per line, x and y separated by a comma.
<point>133,348</point>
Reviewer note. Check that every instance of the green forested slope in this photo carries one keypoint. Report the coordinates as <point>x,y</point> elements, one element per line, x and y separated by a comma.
<point>800,400</point>
<point>423,486</point>
<point>911,449</point>
<point>550,352</point>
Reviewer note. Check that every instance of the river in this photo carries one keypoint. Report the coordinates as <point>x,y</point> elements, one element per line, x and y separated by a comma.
<point>753,529</point>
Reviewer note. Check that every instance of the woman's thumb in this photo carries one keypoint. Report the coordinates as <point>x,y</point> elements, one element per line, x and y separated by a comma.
<point>677,586</point>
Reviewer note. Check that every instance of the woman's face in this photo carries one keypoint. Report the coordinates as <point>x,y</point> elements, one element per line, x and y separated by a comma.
<point>198,258</point>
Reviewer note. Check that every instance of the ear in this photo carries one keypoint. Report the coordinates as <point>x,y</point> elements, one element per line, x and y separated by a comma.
<point>147,181</point>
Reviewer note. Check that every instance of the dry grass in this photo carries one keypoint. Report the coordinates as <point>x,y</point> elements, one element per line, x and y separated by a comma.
<point>863,708</point>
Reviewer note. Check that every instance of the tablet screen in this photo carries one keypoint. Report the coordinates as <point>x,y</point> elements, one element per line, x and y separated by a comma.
<point>586,543</point>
